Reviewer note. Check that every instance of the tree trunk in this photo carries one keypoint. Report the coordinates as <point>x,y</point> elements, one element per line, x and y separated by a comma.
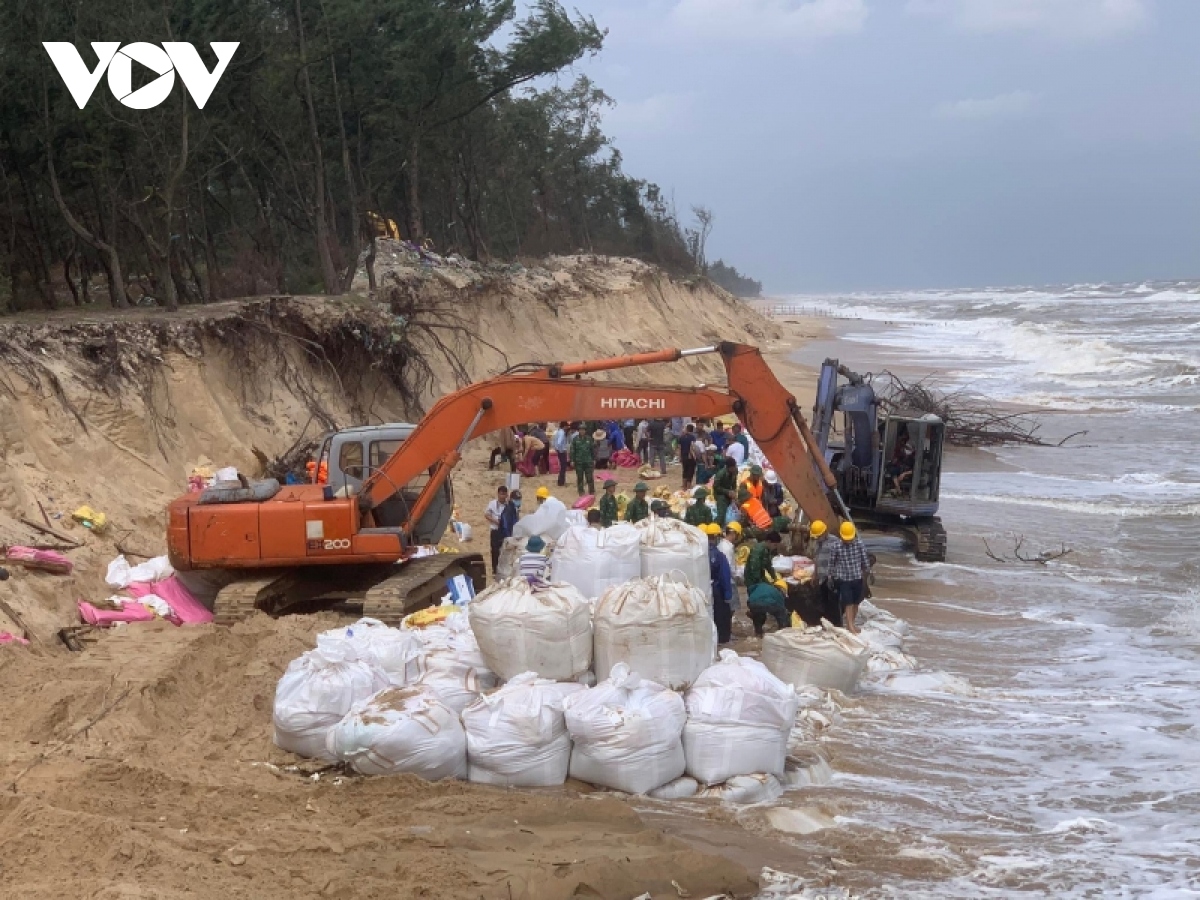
<point>210,253</point>
<point>328,272</point>
<point>416,218</point>
<point>370,264</point>
<point>116,281</point>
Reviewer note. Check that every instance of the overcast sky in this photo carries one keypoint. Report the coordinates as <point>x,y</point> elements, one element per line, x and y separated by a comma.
<point>849,144</point>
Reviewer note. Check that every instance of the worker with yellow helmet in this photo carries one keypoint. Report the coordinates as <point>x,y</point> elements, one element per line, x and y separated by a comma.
<point>820,551</point>
<point>723,591</point>
<point>849,567</point>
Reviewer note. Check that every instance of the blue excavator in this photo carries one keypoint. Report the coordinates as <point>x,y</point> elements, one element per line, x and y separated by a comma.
<point>887,460</point>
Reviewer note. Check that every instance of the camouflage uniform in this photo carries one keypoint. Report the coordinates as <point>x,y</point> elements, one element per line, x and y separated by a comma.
<point>583,457</point>
<point>723,482</point>
<point>636,510</point>
<point>608,509</point>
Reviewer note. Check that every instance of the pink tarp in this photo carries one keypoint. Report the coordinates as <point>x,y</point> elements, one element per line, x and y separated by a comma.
<point>186,608</point>
<point>131,612</point>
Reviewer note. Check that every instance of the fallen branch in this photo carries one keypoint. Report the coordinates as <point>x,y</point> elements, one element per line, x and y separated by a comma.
<point>1041,558</point>
<point>971,419</point>
<point>50,531</point>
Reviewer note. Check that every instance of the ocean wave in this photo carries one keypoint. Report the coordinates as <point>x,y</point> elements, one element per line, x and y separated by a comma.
<point>1086,507</point>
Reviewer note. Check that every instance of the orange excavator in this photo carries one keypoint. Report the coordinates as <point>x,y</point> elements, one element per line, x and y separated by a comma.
<point>311,543</point>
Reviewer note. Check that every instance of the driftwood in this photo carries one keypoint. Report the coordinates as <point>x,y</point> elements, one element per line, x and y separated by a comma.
<point>1041,558</point>
<point>50,531</point>
<point>972,420</point>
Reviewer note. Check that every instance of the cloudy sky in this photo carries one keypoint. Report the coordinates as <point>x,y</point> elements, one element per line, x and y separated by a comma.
<point>851,144</point>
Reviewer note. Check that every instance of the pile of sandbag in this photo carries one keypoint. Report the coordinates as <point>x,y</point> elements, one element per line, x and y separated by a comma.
<point>517,736</point>
<point>400,654</point>
<point>660,627</point>
<point>545,629</point>
<point>398,731</point>
<point>454,667</point>
<point>627,733</point>
<point>594,559</point>
<point>317,691</point>
<point>669,546</point>
<point>739,720</point>
<point>826,656</point>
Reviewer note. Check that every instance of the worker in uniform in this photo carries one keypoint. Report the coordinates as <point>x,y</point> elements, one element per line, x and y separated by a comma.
<point>662,510</point>
<point>698,513</point>
<point>820,550</point>
<point>764,596</point>
<point>752,487</point>
<point>722,584</point>
<point>849,566</point>
<point>583,457</point>
<point>637,508</point>
<point>725,489</point>
<point>608,504</point>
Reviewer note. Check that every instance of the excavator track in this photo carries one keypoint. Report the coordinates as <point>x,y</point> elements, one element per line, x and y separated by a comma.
<point>241,598</point>
<point>420,583</point>
<point>930,540</point>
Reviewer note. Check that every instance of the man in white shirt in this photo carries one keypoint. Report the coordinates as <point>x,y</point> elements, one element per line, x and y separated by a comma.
<point>493,512</point>
<point>736,452</point>
<point>561,441</point>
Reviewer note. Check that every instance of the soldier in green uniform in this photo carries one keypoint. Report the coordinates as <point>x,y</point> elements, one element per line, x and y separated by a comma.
<point>637,508</point>
<point>608,504</point>
<point>764,598</point>
<point>583,457</point>
<point>698,513</point>
<point>662,510</point>
<point>725,489</point>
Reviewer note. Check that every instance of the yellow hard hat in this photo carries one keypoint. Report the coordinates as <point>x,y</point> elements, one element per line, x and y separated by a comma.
<point>848,531</point>
<point>734,526</point>
<point>816,529</point>
<point>711,528</point>
<point>543,493</point>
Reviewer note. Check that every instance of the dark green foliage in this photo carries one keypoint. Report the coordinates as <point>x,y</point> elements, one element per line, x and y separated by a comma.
<point>421,111</point>
<point>734,281</point>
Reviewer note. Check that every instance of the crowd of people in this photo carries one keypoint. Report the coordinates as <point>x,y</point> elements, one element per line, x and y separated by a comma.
<point>747,513</point>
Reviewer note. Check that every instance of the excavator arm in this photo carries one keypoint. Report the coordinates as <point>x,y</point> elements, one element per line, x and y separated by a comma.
<point>561,392</point>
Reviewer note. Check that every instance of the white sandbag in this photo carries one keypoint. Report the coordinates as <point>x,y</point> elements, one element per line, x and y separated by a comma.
<point>120,574</point>
<point>517,736</point>
<point>545,629</point>
<point>680,789</point>
<point>510,552</point>
<point>883,661</point>
<point>454,666</point>
<point>739,719</point>
<point>399,653</point>
<point>548,521</point>
<point>758,788</point>
<point>317,690</point>
<point>879,636</point>
<point>401,731</point>
<point>627,733</point>
<point>595,559</point>
<point>669,545</point>
<point>825,656</point>
<point>576,518</point>
<point>657,626</point>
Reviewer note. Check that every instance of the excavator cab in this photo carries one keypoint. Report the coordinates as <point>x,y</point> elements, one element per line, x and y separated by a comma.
<point>888,465</point>
<point>353,455</point>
